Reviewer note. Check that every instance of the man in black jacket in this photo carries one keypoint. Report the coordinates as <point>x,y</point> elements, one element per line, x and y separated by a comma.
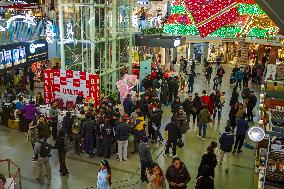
<point>88,130</point>
<point>252,100</point>
<point>174,133</point>
<point>107,132</point>
<point>177,174</point>
<point>188,106</point>
<point>226,142</point>
<point>123,130</point>
<point>155,117</point>
<point>145,157</point>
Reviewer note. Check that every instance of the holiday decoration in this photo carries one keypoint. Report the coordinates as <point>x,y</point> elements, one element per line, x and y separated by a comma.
<point>126,84</point>
<point>218,18</point>
<point>68,84</point>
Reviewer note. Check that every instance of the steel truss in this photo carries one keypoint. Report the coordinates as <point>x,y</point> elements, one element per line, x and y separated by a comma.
<point>95,36</point>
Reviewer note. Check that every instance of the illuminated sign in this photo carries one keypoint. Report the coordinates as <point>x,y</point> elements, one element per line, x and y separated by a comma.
<point>33,47</point>
<point>26,19</point>
<point>49,32</point>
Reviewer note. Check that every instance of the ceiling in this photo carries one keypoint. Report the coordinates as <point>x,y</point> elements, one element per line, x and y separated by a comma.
<point>274,9</point>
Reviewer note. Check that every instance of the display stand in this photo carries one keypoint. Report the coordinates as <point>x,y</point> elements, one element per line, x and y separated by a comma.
<point>14,180</point>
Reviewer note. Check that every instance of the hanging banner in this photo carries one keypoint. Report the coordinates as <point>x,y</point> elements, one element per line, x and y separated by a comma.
<point>68,84</point>
<point>270,72</point>
<point>145,68</point>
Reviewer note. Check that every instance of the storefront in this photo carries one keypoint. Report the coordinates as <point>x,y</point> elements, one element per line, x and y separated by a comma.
<point>23,54</point>
<point>149,14</point>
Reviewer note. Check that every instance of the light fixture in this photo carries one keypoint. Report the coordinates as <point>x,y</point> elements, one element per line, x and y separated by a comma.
<point>256,134</point>
<point>176,42</point>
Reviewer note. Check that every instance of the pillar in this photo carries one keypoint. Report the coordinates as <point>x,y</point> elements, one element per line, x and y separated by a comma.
<point>61,35</point>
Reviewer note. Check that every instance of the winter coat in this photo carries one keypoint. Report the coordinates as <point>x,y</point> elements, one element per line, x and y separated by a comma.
<point>205,99</point>
<point>44,130</point>
<point>204,116</point>
<point>176,106</point>
<point>234,98</point>
<point>210,160</point>
<point>33,135</point>
<point>67,125</point>
<point>204,182</point>
<point>122,131</point>
<point>174,131</point>
<point>164,92</point>
<point>239,75</point>
<point>88,128</point>
<point>60,144</point>
<point>187,105</point>
<point>226,142</point>
<point>178,176</point>
<point>128,106</point>
<point>144,153</point>
<point>153,183</point>
<point>30,111</point>
<point>252,100</point>
<point>242,127</point>
<point>53,114</point>
<point>103,182</point>
<point>156,117</point>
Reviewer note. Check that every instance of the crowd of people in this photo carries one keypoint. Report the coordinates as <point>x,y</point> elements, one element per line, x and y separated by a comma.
<point>104,131</point>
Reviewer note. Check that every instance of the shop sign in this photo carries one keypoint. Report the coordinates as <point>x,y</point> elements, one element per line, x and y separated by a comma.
<point>68,84</point>
<point>275,41</point>
<point>270,72</point>
<point>281,108</point>
<point>143,3</point>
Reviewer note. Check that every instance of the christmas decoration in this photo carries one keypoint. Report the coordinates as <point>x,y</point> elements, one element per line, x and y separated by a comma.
<point>218,18</point>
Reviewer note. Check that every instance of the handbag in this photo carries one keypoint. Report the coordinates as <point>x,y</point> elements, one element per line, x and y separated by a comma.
<point>180,143</point>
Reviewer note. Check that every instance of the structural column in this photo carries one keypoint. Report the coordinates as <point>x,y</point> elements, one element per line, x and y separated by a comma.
<point>130,38</point>
<point>92,34</point>
<point>113,45</point>
<point>61,30</point>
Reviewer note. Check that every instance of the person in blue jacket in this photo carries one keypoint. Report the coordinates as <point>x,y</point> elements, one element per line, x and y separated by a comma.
<point>239,75</point>
<point>226,141</point>
<point>242,127</point>
<point>104,175</point>
<point>128,105</point>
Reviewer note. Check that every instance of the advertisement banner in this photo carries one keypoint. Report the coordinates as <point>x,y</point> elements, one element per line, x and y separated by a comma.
<point>68,84</point>
<point>270,72</point>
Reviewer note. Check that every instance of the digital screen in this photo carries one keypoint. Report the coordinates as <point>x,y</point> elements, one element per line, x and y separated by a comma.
<point>2,60</point>
<point>22,55</point>
<point>8,58</point>
<point>16,56</point>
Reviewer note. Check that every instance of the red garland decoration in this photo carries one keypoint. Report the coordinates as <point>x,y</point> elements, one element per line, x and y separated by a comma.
<point>178,19</point>
<point>218,22</point>
<point>246,1</point>
<point>207,10</point>
<point>194,4</point>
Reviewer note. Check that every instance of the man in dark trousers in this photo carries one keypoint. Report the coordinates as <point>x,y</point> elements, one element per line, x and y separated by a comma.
<point>242,127</point>
<point>177,174</point>
<point>174,133</point>
<point>155,117</point>
<point>88,130</point>
<point>251,104</point>
<point>107,132</point>
<point>31,79</point>
<point>226,141</point>
<point>145,157</point>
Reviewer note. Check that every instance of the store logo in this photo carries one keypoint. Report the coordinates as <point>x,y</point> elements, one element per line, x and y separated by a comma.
<point>33,47</point>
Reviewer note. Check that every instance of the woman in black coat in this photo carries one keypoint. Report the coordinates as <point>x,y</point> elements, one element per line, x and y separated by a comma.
<point>205,181</point>
<point>209,159</point>
<point>235,97</point>
<point>60,145</point>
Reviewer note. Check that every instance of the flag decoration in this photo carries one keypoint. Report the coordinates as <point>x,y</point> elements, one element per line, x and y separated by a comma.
<point>218,18</point>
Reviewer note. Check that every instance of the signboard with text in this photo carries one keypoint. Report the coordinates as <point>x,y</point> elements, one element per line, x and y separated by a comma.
<point>68,84</point>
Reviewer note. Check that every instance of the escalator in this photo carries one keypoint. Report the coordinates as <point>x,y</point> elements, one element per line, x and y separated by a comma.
<point>274,9</point>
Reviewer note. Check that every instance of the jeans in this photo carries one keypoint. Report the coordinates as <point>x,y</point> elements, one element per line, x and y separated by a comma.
<point>190,87</point>
<point>174,148</point>
<point>226,157</point>
<point>215,112</point>
<point>122,149</point>
<point>43,164</point>
<point>249,113</point>
<point>239,83</point>
<point>99,145</point>
<point>63,168</point>
<point>144,166</point>
<point>239,142</point>
<point>202,128</point>
<point>89,142</point>
<point>107,142</point>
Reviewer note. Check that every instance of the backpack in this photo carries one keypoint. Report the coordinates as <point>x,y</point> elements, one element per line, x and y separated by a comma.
<point>44,149</point>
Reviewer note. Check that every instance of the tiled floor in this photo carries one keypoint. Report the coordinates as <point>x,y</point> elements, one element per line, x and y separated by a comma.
<point>83,170</point>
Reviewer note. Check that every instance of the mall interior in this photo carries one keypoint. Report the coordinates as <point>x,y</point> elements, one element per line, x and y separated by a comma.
<point>141,94</point>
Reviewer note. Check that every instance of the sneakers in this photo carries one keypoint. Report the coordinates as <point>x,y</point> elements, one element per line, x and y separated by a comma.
<point>175,156</point>
<point>198,136</point>
<point>34,159</point>
<point>203,139</point>
<point>118,159</point>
